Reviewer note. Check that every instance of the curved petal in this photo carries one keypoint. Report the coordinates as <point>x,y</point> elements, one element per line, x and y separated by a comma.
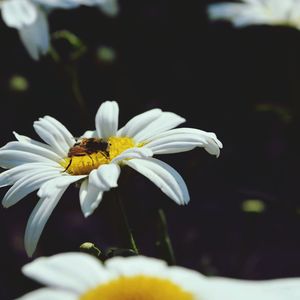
<point>73,271</point>
<point>49,294</point>
<point>99,181</point>
<point>133,153</point>
<point>68,137</point>
<point>166,121</point>
<point>52,136</point>
<point>28,184</point>
<point>50,193</point>
<point>139,122</point>
<point>163,176</point>
<point>35,36</point>
<point>11,176</point>
<point>184,139</point>
<point>18,13</point>
<point>107,119</point>
<point>26,139</point>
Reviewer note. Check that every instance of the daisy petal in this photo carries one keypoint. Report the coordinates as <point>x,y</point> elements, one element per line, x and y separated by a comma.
<point>67,4</point>
<point>136,265</point>
<point>107,119</point>
<point>133,153</point>
<point>50,193</point>
<point>90,195</point>
<point>89,134</point>
<point>163,176</point>
<point>26,139</point>
<point>99,181</point>
<point>18,13</point>
<point>35,36</point>
<point>221,11</point>
<point>166,121</point>
<point>235,289</point>
<point>33,149</point>
<point>12,158</point>
<point>110,7</point>
<point>52,136</point>
<point>76,272</point>
<point>49,294</point>
<point>190,280</point>
<point>26,185</point>
<point>139,122</point>
<point>68,137</point>
<point>184,139</point>
<point>10,176</point>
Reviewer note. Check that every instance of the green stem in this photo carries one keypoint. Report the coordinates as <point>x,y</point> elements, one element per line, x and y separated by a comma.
<point>165,238</point>
<point>129,231</point>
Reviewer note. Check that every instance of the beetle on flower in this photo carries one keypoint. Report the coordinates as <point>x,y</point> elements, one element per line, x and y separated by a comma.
<point>50,168</point>
<point>29,17</point>
<point>79,276</point>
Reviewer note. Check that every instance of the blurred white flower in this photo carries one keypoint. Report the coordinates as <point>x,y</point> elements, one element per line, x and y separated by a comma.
<point>95,160</point>
<point>79,276</point>
<point>29,17</point>
<point>258,12</point>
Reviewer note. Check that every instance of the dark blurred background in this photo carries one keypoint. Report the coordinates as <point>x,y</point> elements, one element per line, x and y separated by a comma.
<point>243,84</point>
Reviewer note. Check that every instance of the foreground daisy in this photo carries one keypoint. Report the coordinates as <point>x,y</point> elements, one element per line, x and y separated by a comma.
<point>251,12</point>
<point>95,160</point>
<point>29,17</point>
<point>79,276</point>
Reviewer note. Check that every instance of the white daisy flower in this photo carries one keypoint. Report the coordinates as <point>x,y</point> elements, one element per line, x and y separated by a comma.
<point>79,276</point>
<point>29,17</point>
<point>95,160</point>
<point>258,12</point>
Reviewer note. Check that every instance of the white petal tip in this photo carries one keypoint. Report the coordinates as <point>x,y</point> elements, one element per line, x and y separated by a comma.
<point>29,253</point>
<point>87,214</point>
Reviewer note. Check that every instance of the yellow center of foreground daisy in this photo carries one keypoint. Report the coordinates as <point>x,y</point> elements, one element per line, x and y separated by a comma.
<point>89,154</point>
<point>138,288</point>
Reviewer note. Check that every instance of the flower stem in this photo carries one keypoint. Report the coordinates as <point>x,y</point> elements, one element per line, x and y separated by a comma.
<point>165,238</point>
<point>124,215</point>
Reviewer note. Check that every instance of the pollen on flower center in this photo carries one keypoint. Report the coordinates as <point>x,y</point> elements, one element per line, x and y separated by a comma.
<point>138,288</point>
<point>89,154</point>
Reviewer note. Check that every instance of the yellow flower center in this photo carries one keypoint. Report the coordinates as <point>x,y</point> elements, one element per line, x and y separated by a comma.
<point>138,288</point>
<point>90,154</point>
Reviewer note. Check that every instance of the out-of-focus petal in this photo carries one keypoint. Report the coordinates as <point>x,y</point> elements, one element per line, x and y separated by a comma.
<point>35,36</point>
<point>49,294</point>
<point>18,13</point>
<point>73,271</point>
